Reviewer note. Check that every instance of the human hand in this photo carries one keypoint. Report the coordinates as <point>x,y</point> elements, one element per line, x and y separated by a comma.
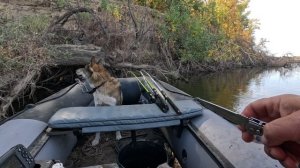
<point>281,133</point>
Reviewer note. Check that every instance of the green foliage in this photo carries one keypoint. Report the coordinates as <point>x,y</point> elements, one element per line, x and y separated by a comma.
<point>85,16</point>
<point>61,3</point>
<point>35,23</point>
<point>87,3</point>
<point>18,42</point>
<point>17,31</point>
<point>111,8</point>
<point>214,30</point>
<point>104,4</point>
<point>190,34</point>
<point>160,5</point>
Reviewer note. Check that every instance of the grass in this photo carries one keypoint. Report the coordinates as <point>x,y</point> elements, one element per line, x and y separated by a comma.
<point>35,24</point>
<point>85,16</point>
<point>111,8</point>
<point>22,54</point>
<point>18,42</point>
<point>61,3</point>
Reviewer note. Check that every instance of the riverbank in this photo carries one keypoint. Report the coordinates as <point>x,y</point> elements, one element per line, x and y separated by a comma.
<point>43,42</point>
<point>235,89</point>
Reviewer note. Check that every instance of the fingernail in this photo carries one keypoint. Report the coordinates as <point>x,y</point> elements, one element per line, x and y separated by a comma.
<point>273,153</point>
<point>289,162</point>
<point>264,140</point>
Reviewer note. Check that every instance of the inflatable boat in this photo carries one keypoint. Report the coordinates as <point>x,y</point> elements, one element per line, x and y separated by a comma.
<point>45,134</point>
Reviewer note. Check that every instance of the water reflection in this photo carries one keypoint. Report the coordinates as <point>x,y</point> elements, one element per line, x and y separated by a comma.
<point>235,89</point>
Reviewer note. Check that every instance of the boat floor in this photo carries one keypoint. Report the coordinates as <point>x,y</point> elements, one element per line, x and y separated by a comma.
<point>106,152</point>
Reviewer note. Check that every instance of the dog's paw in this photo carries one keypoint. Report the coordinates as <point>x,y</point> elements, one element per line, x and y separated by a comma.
<point>165,165</point>
<point>95,142</point>
<point>118,135</point>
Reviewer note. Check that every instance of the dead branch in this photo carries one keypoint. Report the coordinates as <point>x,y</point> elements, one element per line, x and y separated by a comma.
<point>64,18</point>
<point>143,30</point>
<point>133,20</point>
<point>16,91</point>
<point>248,55</point>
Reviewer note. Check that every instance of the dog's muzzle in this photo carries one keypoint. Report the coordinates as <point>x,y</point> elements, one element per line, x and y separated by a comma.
<point>81,78</point>
<point>85,87</point>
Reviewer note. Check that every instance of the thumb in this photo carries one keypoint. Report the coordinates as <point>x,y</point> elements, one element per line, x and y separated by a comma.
<point>282,129</point>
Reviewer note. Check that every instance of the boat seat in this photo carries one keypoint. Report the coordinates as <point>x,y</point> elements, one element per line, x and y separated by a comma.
<point>124,117</point>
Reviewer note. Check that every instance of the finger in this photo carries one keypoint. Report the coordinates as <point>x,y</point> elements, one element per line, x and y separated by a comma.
<point>289,162</point>
<point>251,110</point>
<point>267,151</point>
<point>282,130</point>
<point>277,153</point>
<point>289,104</point>
<point>242,128</point>
<point>247,137</point>
<point>293,148</point>
<point>286,159</point>
<point>264,109</point>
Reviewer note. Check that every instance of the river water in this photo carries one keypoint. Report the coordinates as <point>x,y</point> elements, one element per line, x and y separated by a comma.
<point>235,89</point>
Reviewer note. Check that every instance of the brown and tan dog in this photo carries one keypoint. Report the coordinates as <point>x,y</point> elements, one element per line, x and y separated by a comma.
<point>107,89</point>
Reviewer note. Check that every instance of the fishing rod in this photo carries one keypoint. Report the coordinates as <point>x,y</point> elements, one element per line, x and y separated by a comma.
<point>153,94</point>
<point>150,93</point>
<point>162,92</point>
<point>156,92</point>
<point>147,84</point>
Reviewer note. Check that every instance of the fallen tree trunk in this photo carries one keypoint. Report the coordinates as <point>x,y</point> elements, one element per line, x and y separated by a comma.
<point>73,55</point>
<point>70,55</point>
<point>127,65</point>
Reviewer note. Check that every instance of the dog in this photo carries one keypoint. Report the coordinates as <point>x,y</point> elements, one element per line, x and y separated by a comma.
<point>107,89</point>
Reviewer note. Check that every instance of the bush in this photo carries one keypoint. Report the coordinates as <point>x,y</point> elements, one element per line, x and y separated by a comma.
<point>161,5</point>
<point>61,3</point>
<point>188,32</point>
<point>20,44</point>
<point>28,26</point>
<point>209,31</point>
<point>111,8</point>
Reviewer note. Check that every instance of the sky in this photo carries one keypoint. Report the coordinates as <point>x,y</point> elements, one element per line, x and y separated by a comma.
<point>279,24</point>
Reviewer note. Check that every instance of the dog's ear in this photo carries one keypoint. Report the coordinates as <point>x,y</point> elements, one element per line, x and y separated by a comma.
<point>101,63</point>
<point>93,60</point>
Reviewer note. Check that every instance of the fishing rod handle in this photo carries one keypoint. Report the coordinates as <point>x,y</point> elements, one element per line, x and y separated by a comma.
<point>176,109</point>
<point>162,105</point>
<point>161,102</point>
